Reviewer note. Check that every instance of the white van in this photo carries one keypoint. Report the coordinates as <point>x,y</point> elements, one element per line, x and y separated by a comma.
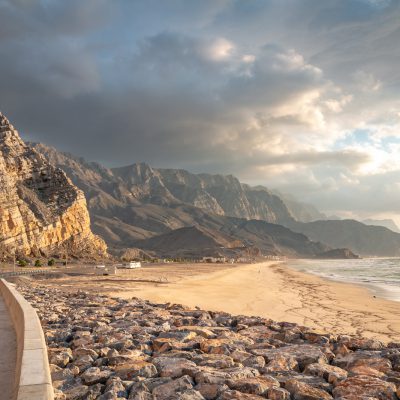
<point>132,264</point>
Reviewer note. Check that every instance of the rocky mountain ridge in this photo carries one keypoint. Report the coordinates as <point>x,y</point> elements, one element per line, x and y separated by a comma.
<point>217,194</point>
<point>137,206</point>
<point>137,202</point>
<point>41,211</point>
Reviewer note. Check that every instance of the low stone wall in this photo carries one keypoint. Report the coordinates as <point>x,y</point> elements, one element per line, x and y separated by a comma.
<point>32,380</point>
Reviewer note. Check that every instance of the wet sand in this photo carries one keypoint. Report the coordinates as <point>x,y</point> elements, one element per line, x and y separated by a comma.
<point>266,289</point>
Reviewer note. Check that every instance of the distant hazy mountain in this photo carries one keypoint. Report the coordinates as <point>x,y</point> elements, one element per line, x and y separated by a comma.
<point>362,239</point>
<point>387,223</point>
<point>138,202</point>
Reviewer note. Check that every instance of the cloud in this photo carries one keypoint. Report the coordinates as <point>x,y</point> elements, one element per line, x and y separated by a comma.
<point>275,92</point>
<point>366,81</point>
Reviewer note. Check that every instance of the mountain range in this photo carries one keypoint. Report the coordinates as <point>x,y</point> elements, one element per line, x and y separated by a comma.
<point>141,206</point>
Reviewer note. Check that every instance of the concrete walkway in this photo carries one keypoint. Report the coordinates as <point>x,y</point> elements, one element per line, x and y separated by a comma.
<point>8,353</point>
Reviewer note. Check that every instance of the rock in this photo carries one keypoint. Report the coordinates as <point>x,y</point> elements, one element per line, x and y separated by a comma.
<point>115,387</point>
<point>198,330</point>
<point>314,381</point>
<point>140,395</point>
<point>259,385</point>
<point>216,346</point>
<point>84,351</point>
<point>304,354</point>
<point>118,359</point>
<point>254,362</point>
<point>303,391</point>
<point>77,393</point>
<point>60,358</point>
<point>211,376</point>
<point>359,343</point>
<point>83,362</point>
<point>219,361</point>
<point>61,374</point>
<point>235,395</point>
<point>240,355</point>
<point>93,375</point>
<point>330,373</point>
<point>170,389</point>
<point>190,395</point>
<point>278,394</point>
<point>178,335</point>
<point>135,369</point>
<point>365,370</point>
<point>365,386</point>
<point>172,367</point>
<point>95,391</point>
<point>211,391</point>
<point>40,208</point>
<point>281,362</point>
<point>361,358</point>
<point>59,395</point>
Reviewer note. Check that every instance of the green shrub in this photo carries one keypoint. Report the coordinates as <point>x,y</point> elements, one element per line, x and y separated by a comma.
<point>38,263</point>
<point>22,263</point>
<point>51,262</point>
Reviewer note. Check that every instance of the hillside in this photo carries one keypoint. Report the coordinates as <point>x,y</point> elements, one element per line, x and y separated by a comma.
<point>183,242</point>
<point>236,237</point>
<point>387,223</point>
<point>41,211</point>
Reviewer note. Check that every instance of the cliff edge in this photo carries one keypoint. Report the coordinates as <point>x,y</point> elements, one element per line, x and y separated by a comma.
<point>41,211</point>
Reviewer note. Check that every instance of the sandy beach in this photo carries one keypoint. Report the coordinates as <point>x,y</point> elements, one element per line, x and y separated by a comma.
<point>266,289</point>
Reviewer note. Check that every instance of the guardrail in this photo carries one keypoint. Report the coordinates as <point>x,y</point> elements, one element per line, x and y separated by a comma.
<point>32,378</point>
<point>25,272</point>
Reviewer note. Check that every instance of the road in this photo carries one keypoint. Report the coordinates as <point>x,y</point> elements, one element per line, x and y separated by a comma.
<point>8,352</point>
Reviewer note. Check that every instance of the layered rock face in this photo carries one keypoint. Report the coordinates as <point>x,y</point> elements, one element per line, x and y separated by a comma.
<point>41,211</point>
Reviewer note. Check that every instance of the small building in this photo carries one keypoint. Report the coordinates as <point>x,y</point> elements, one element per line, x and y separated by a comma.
<point>131,265</point>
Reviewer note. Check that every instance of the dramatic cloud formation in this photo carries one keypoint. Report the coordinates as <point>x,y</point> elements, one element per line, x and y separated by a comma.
<point>299,95</point>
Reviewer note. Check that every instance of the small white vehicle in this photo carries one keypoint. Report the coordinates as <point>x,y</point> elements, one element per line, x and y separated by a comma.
<point>133,264</point>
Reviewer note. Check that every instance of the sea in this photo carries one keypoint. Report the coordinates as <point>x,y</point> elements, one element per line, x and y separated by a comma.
<point>380,275</point>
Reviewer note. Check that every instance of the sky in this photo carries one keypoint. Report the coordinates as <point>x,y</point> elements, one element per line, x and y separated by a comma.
<point>298,95</point>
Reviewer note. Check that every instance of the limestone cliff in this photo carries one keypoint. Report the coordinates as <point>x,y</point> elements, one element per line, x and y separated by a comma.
<point>41,211</point>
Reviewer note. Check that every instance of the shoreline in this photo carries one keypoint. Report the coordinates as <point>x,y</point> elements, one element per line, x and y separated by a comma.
<point>379,288</point>
<point>274,290</point>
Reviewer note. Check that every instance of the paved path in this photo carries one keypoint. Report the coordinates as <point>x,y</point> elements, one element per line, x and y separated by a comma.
<point>8,353</point>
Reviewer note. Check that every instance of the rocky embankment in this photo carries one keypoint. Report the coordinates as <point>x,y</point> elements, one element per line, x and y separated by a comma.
<point>108,348</point>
